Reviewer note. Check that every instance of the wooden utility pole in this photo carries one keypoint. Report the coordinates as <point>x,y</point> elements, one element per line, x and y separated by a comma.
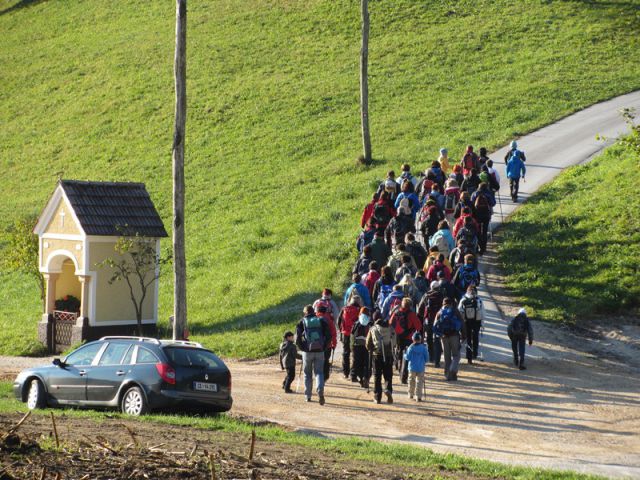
<point>179,261</point>
<point>364,82</point>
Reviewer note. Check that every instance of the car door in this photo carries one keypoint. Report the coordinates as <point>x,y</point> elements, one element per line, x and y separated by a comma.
<point>68,382</point>
<point>105,377</point>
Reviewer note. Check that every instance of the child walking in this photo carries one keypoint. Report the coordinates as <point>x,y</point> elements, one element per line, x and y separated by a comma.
<point>288,355</point>
<point>417,357</point>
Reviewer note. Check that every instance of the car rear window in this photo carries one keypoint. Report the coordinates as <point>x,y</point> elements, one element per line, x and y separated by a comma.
<point>192,357</point>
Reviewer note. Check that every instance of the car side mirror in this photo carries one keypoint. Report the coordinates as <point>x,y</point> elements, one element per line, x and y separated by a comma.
<point>59,363</point>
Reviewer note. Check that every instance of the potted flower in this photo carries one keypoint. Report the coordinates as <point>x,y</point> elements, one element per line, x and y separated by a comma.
<point>68,303</point>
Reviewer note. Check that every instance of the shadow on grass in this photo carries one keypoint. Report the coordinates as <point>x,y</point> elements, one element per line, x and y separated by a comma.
<point>20,5</point>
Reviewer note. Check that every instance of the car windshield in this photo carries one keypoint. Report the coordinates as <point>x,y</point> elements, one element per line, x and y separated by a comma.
<point>192,357</point>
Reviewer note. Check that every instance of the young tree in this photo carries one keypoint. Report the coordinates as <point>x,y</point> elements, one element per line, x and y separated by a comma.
<point>179,264</point>
<point>138,264</point>
<point>21,253</point>
<point>364,82</point>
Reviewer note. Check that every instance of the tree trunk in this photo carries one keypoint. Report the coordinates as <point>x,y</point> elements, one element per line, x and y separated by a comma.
<point>364,82</point>
<point>179,261</point>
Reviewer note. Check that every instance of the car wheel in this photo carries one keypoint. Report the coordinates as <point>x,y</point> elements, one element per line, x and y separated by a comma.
<point>133,402</point>
<point>36,395</point>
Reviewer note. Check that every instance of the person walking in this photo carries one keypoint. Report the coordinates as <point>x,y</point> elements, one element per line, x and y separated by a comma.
<point>518,330</point>
<point>416,357</point>
<point>288,356</point>
<point>359,332</point>
<point>513,147</point>
<point>405,323</point>
<point>355,290</point>
<point>347,318</point>
<point>326,299</point>
<point>515,170</point>
<point>472,310</point>
<point>450,327</point>
<point>313,338</point>
<point>380,349</point>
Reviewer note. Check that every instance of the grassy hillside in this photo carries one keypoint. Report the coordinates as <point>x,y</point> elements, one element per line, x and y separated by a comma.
<point>273,191</point>
<point>571,252</point>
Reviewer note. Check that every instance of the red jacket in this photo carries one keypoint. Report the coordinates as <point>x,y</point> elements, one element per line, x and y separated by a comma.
<point>413,323</point>
<point>348,316</point>
<point>366,215</point>
<point>332,328</point>
<point>460,222</point>
<point>432,273</point>
<point>370,281</point>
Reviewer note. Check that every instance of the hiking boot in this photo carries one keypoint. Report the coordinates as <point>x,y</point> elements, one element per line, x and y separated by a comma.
<point>522,367</point>
<point>454,377</point>
<point>418,399</point>
<point>469,361</point>
<point>389,397</point>
<point>436,365</point>
<point>308,399</point>
<point>288,390</point>
<point>354,380</point>
<point>377,400</point>
<point>321,398</point>
<point>515,361</point>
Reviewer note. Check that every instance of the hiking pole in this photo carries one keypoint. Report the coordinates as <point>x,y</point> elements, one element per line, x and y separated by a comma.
<point>299,376</point>
<point>369,374</point>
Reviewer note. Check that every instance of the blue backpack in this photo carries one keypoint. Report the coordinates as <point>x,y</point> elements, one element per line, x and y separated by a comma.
<point>467,277</point>
<point>385,291</point>
<point>314,334</point>
<point>364,239</point>
<point>449,322</point>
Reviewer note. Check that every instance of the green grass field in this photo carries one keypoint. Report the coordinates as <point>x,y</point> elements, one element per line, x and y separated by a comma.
<point>349,447</point>
<point>571,251</point>
<point>273,189</point>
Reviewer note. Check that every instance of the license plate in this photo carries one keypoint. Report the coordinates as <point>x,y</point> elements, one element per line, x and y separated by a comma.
<point>205,387</point>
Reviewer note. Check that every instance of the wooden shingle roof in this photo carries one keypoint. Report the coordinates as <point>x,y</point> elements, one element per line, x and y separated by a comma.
<point>114,208</point>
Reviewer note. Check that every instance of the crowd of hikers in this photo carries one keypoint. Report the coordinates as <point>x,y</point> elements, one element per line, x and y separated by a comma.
<point>413,297</point>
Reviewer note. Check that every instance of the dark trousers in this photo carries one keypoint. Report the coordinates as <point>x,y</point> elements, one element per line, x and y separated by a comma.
<point>327,364</point>
<point>518,345</point>
<point>360,368</point>
<point>401,363</point>
<point>514,185</point>
<point>437,351</point>
<point>291,376</point>
<point>346,355</point>
<point>429,330</point>
<point>482,235</point>
<point>473,338</point>
<point>382,368</point>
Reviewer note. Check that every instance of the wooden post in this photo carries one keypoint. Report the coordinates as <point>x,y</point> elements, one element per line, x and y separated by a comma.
<point>364,82</point>
<point>179,261</point>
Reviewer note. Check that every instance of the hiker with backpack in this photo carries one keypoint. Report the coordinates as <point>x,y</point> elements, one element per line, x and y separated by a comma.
<point>436,175</point>
<point>383,287</point>
<point>288,356</point>
<point>482,158</point>
<point>484,201</point>
<point>362,264</point>
<point>405,323</point>
<point>494,175</point>
<point>469,161</point>
<point>467,275</point>
<point>451,198</point>
<point>389,185</point>
<point>399,226</point>
<point>395,260</point>
<point>347,318</point>
<point>383,212</point>
<point>366,236</point>
<point>430,217</point>
<point>368,210</point>
<point>371,277</point>
<point>356,289</point>
<point>434,254</point>
<point>515,170</point>
<point>449,326</point>
<point>470,182</point>
<point>416,357</point>
<point>457,174</point>
<point>464,206</point>
<point>380,347</point>
<point>360,331</point>
<point>429,306</point>
<point>438,267</point>
<point>416,250</point>
<point>472,310</point>
<point>468,233</point>
<point>380,251</point>
<point>408,199</point>
<point>407,176</point>
<point>392,301</point>
<point>421,283</point>
<point>323,312</point>
<point>406,268</point>
<point>313,338</point>
<point>326,299</point>
<point>456,258</point>
<point>438,196</point>
<point>409,289</point>
<point>518,330</point>
<point>513,148</point>
<point>443,239</point>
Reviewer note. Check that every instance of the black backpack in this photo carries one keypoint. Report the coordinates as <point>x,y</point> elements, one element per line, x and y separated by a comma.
<point>470,308</point>
<point>519,327</point>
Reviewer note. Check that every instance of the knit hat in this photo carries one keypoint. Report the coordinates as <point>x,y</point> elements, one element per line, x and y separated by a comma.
<point>522,311</point>
<point>444,152</point>
<point>416,336</point>
<point>514,144</point>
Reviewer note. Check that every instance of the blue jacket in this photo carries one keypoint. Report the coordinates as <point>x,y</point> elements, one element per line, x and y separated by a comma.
<point>417,356</point>
<point>386,306</point>
<point>413,199</point>
<point>515,167</point>
<point>363,293</point>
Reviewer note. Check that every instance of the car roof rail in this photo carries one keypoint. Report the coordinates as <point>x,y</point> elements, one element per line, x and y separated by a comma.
<point>181,342</point>
<point>125,337</point>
